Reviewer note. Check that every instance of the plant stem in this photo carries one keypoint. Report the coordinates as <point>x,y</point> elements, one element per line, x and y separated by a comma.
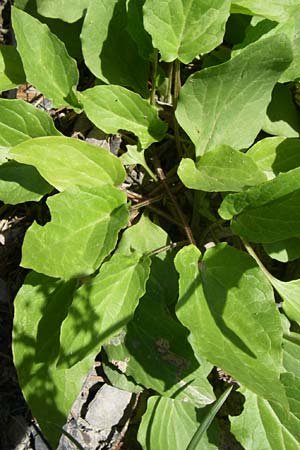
<point>153,77</point>
<point>167,247</point>
<point>177,87</point>
<point>258,261</point>
<point>161,176</point>
<point>165,215</point>
<point>148,201</point>
<point>170,83</point>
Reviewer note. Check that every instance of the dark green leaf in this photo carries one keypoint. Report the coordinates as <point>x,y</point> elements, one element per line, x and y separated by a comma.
<point>11,68</point>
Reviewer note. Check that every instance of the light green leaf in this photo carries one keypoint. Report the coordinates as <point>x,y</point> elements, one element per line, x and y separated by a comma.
<point>114,108</point>
<point>276,154</point>
<point>49,392</point>
<point>216,102</point>
<point>84,228</point>
<point>284,251</point>
<point>20,183</point>
<point>136,155</point>
<point>20,121</point>
<point>108,49</point>
<point>282,117</point>
<point>182,29</point>
<point>60,9</point>
<point>46,62</point>
<point>291,353</point>
<point>227,304</point>
<point>289,291</point>
<point>103,306</point>
<point>263,425</point>
<point>169,424</point>
<point>268,212</point>
<point>64,161</point>
<point>222,169</point>
<point>279,10</point>
<point>11,68</point>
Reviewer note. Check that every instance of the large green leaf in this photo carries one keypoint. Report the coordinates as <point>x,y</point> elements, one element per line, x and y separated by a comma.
<point>64,162</point>
<point>40,306</point>
<point>276,154</point>
<point>60,9</point>
<point>21,183</point>
<point>222,169</point>
<point>268,212</point>
<point>228,306</point>
<point>182,29</point>
<point>108,49</point>
<point>279,10</point>
<point>11,68</point>
<point>20,121</point>
<point>263,425</point>
<point>83,230</point>
<point>46,62</point>
<point>114,108</point>
<point>216,102</point>
<point>170,424</point>
<point>103,306</point>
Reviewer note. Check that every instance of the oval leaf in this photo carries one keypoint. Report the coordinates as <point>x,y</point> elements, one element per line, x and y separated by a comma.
<point>183,29</point>
<point>114,108</point>
<point>222,169</point>
<point>11,68</point>
<point>216,102</point>
<point>228,305</point>
<point>46,62</point>
<point>83,230</point>
<point>64,161</point>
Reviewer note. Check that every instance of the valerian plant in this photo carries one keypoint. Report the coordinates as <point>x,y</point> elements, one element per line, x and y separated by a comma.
<point>175,274</point>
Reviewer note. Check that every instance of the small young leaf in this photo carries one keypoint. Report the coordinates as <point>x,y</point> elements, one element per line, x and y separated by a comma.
<point>169,424</point>
<point>103,306</point>
<point>46,62</point>
<point>182,29</point>
<point>222,169</point>
<point>11,68</point>
<point>114,108</point>
<point>268,212</point>
<point>289,291</point>
<point>108,49</point>
<point>20,121</point>
<point>134,156</point>
<point>226,104</point>
<point>228,305</point>
<point>21,183</point>
<point>64,161</point>
<point>84,228</point>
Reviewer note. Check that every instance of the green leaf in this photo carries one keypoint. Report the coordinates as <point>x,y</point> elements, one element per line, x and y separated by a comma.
<point>84,228</point>
<point>60,9</point>
<point>291,353</point>
<point>114,108</point>
<point>276,154</point>
<point>284,251</point>
<point>279,10</point>
<point>49,392</point>
<point>11,68</point>
<point>169,424</point>
<point>20,183</point>
<point>135,155</point>
<point>53,72</point>
<point>135,27</point>
<point>228,306</point>
<point>193,445</point>
<point>216,102</point>
<point>289,291</point>
<point>264,425</point>
<point>268,212</point>
<point>282,114</point>
<point>103,306</point>
<point>222,169</point>
<point>64,161</point>
<point>20,121</point>
<point>182,29</point>
<point>108,49</point>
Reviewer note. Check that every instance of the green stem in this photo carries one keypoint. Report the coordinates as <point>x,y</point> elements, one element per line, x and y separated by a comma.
<point>177,87</point>
<point>170,83</point>
<point>153,77</point>
<point>165,248</point>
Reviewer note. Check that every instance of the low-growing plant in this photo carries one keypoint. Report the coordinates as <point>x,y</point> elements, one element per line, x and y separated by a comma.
<point>180,252</point>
